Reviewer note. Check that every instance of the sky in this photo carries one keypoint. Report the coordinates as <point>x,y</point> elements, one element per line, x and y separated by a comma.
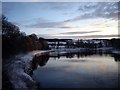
<point>75,20</point>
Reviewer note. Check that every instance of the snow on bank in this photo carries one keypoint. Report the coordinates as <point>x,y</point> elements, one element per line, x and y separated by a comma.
<point>18,70</point>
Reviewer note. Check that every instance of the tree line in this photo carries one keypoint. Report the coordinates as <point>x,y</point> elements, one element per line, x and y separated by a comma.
<point>93,43</point>
<point>14,41</point>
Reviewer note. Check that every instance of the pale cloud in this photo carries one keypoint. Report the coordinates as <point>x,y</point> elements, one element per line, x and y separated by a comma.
<point>99,27</point>
<point>103,27</point>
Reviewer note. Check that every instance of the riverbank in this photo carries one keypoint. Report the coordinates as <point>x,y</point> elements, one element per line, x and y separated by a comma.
<point>18,69</point>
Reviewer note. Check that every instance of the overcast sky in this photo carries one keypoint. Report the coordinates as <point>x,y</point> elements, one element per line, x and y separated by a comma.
<point>84,20</point>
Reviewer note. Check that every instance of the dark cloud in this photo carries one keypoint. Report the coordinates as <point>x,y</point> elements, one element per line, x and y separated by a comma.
<point>87,10</point>
<point>91,36</point>
<point>43,23</point>
<point>85,6</point>
<point>85,32</point>
<point>65,27</point>
<point>99,36</point>
<point>47,36</point>
<point>46,25</point>
<point>108,10</point>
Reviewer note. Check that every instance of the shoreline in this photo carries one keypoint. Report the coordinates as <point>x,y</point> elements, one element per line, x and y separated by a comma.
<point>19,69</point>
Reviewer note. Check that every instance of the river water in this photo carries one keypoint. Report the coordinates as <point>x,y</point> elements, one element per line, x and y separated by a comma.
<point>77,70</point>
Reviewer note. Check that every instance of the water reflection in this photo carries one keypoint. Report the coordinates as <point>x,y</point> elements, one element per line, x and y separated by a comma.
<point>81,69</point>
<point>116,57</point>
<point>85,54</point>
<point>40,60</point>
<point>80,54</point>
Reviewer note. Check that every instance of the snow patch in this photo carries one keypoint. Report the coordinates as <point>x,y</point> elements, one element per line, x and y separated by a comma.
<point>19,69</point>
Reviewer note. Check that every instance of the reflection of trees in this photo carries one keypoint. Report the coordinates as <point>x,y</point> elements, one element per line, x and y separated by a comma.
<point>82,54</point>
<point>116,57</point>
<point>42,60</point>
<point>14,41</point>
<point>70,55</point>
<point>39,60</point>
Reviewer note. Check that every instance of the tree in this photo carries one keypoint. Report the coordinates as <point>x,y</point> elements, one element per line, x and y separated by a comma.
<point>115,43</point>
<point>15,41</point>
<point>44,43</point>
<point>11,37</point>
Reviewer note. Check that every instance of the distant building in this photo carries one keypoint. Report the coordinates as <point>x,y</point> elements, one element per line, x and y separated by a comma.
<point>69,43</point>
<point>57,43</point>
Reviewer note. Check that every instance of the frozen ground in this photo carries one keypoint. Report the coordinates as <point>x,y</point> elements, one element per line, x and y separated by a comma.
<point>18,70</point>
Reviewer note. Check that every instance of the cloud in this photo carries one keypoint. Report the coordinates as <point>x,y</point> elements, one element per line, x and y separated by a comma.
<point>107,10</point>
<point>46,25</point>
<point>96,18</point>
<point>85,32</point>
<point>85,10</point>
<point>88,36</point>
<point>98,36</point>
<point>48,36</point>
<point>65,27</point>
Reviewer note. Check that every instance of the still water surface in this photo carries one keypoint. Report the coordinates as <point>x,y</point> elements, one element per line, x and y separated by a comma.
<point>73,71</point>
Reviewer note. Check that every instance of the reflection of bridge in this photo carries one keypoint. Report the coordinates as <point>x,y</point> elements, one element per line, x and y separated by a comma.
<point>58,43</point>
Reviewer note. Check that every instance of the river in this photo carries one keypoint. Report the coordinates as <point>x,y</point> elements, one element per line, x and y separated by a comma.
<point>77,70</point>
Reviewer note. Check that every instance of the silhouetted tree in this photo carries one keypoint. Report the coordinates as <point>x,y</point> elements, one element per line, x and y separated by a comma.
<point>11,37</point>
<point>15,41</point>
<point>115,43</point>
<point>44,43</point>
